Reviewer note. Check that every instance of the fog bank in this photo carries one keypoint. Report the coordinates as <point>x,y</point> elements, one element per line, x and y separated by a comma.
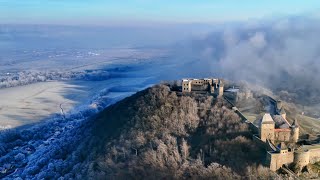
<point>280,54</point>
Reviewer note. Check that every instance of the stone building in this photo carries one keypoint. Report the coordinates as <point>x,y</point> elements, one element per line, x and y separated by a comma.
<point>279,138</point>
<point>277,129</point>
<point>279,156</point>
<point>307,154</point>
<point>214,86</point>
<point>300,156</point>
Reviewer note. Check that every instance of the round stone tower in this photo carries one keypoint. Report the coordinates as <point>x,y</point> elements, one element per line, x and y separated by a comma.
<point>295,131</point>
<point>301,157</point>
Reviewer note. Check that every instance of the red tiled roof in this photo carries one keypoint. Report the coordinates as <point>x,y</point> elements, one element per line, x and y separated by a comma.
<point>278,130</point>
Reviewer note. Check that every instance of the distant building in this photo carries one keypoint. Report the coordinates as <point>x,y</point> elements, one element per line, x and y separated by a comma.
<point>214,86</point>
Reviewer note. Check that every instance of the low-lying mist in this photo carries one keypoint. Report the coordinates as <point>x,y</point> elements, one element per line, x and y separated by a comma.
<point>279,54</point>
<point>282,55</point>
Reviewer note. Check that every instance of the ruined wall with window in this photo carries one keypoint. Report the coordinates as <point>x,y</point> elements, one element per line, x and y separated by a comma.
<point>213,86</point>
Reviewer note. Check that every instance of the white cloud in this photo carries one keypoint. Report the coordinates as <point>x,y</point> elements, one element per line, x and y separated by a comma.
<point>258,40</point>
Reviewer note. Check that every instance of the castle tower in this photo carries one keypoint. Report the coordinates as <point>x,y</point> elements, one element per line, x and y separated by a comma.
<point>212,89</point>
<point>283,113</point>
<point>301,158</point>
<point>295,131</point>
<point>267,128</point>
<point>186,85</point>
<point>220,88</point>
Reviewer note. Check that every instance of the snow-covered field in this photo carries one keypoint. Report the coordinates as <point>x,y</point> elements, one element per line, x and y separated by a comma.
<point>32,103</point>
<point>75,82</point>
<point>47,131</point>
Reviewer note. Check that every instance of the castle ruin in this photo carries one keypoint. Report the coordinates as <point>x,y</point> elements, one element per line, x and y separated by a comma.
<point>214,86</point>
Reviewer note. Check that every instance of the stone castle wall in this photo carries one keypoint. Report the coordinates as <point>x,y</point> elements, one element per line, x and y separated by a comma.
<point>314,155</point>
<point>302,158</point>
<point>200,87</point>
<point>277,160</point>
<point>211,85</point>
<point>258,141</point>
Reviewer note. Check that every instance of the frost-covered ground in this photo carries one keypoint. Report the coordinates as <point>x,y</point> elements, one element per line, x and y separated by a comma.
<point>35,102</point>
<point>51,149</point>
<point>39,84</point>
<point>56,141</point>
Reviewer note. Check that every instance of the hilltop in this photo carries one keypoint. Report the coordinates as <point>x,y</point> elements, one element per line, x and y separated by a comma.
<point>158,133</point>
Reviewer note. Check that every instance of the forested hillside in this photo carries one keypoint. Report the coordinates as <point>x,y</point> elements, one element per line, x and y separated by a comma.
<point>154,134</point>
<point>160,135</point>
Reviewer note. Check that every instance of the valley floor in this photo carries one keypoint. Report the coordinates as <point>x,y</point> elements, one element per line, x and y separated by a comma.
<point>32,103</point>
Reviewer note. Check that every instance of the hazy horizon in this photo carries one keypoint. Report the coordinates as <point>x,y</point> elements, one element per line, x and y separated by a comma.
<point>98,12</point>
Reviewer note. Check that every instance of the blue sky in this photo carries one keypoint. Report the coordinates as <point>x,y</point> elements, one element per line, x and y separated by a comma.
<point>129,11</point>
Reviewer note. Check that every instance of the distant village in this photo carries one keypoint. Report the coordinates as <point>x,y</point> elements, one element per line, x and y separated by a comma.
<point>272,132</point>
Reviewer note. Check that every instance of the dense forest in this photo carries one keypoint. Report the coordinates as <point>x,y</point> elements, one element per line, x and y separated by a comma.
<point>159,134</point>
<point>29,77</point>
